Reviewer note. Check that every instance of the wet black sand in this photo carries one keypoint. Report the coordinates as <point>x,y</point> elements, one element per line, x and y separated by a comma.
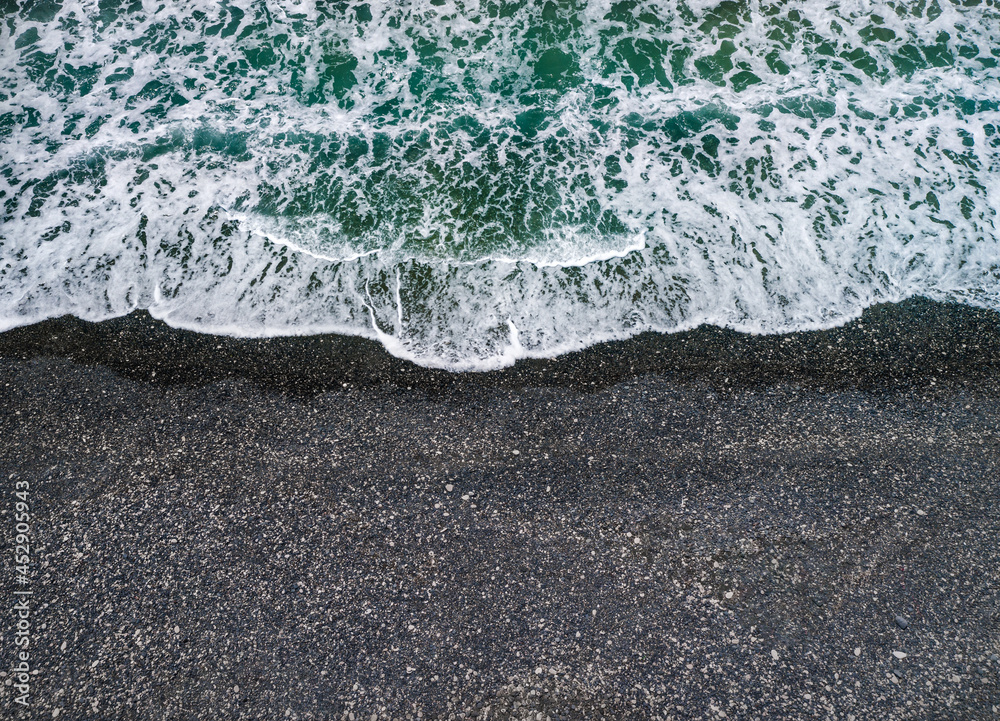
<point>670,527</point>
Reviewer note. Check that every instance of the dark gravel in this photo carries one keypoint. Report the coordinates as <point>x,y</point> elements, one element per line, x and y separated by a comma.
<point>702,525</point>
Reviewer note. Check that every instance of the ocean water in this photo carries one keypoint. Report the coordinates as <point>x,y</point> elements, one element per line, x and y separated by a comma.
<point>472,182</point>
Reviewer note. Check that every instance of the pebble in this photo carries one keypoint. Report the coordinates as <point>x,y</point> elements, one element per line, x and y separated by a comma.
<point>560,531</point>
<point>449,488</point>
<point>902,622</point>
<point>899,654</point>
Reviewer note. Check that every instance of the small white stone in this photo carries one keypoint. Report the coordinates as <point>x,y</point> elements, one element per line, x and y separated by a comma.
<point>516,453</point>
<point>921,513</point>
<point>857,651</point>
<point>449,488</point>
<point>899,654</point>
<point>410,669</point>
<point>729,594</point>
<point>637,540</point>
<point>177,629</point>
<point>774,654</point>
<point>539,671</point>
<point>465,497</point>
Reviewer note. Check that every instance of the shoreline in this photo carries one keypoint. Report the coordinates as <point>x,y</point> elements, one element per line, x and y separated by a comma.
<point>661,528</point>
<point>889,345</point>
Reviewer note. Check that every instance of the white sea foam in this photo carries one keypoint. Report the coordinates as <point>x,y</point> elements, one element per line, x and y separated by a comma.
<point>258,207</point>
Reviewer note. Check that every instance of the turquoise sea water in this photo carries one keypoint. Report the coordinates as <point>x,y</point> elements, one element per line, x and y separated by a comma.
<point>472,182</point>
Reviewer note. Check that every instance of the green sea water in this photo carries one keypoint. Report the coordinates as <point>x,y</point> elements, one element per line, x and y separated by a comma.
<point>473,182</point>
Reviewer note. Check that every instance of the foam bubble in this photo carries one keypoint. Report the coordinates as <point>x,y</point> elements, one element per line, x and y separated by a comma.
<point>469,183</point>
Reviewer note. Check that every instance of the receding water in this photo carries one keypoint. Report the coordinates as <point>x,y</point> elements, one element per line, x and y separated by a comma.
<point>471,182</point>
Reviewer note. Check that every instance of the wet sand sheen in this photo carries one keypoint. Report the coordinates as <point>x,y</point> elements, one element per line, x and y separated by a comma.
<point>671,526</point>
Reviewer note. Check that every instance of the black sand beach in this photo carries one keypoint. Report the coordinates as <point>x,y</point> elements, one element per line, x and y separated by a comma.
<point>695,526</point>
